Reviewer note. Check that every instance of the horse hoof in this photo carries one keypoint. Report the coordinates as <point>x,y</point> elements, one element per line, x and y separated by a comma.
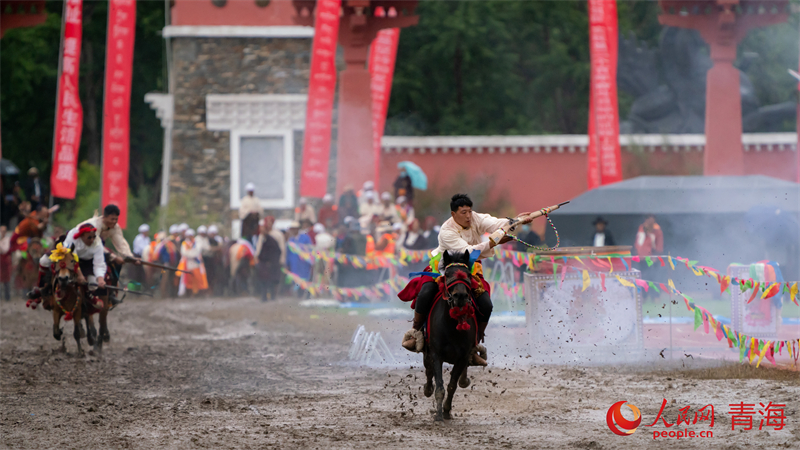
<point>428,390</point>
<point>438,418</point>
<point>446,415</point>
<point>464,382</point>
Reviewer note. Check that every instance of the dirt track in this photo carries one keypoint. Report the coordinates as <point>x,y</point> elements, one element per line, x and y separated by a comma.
<point>218,373</point>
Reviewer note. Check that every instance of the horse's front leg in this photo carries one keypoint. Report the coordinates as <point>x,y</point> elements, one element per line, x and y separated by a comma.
<point>76,332</point>
<point>439,393</point>
<point>56,319</point>
<point>458,370</point>
<point>91,331</point>
<point>105,336</point>
<point>429,372</point>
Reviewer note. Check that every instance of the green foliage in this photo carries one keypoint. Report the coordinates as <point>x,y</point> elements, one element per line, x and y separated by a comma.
<point>772,50</point>
<point>28,69</point>
<point>512,67</point>
<point>87,203</point>
<point>181,210</point>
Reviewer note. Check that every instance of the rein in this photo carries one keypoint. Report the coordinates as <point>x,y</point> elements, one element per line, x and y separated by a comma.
<point>464,312</point>
<point>536,247</point>
<point>67,314</point>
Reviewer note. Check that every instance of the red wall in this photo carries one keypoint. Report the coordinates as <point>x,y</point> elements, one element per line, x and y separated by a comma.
<point>529,180</point>
<point>534,180</point>
<point>235,12</point>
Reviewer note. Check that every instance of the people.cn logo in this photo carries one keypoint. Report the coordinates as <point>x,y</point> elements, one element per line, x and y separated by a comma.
<point>615,415</point>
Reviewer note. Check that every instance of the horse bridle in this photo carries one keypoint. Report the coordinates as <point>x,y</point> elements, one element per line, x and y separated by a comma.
<point>448,284</point>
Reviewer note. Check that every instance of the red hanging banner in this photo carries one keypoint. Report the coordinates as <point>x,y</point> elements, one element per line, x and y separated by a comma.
<point>604,151</point>
<point>381,70</point>
<point>321,90</point>
<point>117,106</point>
<point>69,112</point>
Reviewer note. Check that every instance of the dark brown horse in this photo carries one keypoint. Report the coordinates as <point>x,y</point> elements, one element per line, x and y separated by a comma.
<point>66,299</point>
<point>451,333</point>
<point>111,279</point>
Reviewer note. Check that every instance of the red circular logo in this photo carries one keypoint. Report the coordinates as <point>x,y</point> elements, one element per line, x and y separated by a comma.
<point>615,415</point>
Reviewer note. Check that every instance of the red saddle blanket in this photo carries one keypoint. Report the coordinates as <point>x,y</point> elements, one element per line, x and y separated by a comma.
<point>411,291</point>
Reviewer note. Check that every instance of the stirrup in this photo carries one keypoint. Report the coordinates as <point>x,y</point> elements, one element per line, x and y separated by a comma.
<point>479,356</point>
<point>413,340</point>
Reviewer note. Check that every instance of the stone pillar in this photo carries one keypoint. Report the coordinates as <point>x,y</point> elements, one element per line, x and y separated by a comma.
<point>359,24</point>
<point>724,154</point>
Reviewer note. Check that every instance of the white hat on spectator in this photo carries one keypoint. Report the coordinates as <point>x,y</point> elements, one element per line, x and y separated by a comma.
<point>144,228</point>
<point>397,226</point>
<point>189,232</point>
<point>249,187</point>
<point>303,201</point>
<point>386,196</point>
<point>183,227</point>
<point>327,198</point>
<point>348,219</point>
<point>202,229</point>
<point>213,229</point>
<point>369,195</point>
<point>400,200</point>
<point>294,224</point>
<point>173,229</point>
<point>319,228</point>
<point>369,185</point>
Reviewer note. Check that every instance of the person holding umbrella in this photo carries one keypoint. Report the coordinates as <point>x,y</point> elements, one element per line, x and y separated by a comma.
<point>410,177</point>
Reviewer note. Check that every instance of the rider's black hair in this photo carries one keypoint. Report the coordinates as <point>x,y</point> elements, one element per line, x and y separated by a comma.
<point>111,210</point>
<point>458,201</point>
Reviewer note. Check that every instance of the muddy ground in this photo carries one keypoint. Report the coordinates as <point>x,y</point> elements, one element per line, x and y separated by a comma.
<point>237,373</point>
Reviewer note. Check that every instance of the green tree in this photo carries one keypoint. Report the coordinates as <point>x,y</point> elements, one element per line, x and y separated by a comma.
<point>28,69</point>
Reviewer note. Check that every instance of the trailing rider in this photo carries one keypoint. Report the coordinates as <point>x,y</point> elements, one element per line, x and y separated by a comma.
<point>91,261</point>
<point>109,231</point>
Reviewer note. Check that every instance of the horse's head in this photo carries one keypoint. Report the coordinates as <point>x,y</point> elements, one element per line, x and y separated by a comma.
<point>65,267</point>
<point>65,274</point>
<point>457,278</point>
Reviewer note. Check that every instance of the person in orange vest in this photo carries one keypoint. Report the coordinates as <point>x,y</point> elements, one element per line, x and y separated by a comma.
<point>385,244</point>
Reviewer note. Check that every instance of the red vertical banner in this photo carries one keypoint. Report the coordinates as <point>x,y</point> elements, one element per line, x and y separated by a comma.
<point>117,104</point>
<point>69,112</point>
<point>593,174</point>
<point>604,149</point>
<point>319,111</point>
<point>382,57</point>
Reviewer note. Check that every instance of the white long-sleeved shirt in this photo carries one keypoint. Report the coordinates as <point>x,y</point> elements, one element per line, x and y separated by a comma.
<point>84,252</point>
<point>454,237</point>
<point>249,204</point>
<point>110,234</point>
<point>140,242</point>
<point>192,254</point>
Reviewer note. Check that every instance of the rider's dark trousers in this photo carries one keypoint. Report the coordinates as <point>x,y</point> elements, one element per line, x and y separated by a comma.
<point>427,294</point>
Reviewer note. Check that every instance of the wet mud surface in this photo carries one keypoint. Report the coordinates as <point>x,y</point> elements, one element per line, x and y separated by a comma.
<point>238,373</point>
